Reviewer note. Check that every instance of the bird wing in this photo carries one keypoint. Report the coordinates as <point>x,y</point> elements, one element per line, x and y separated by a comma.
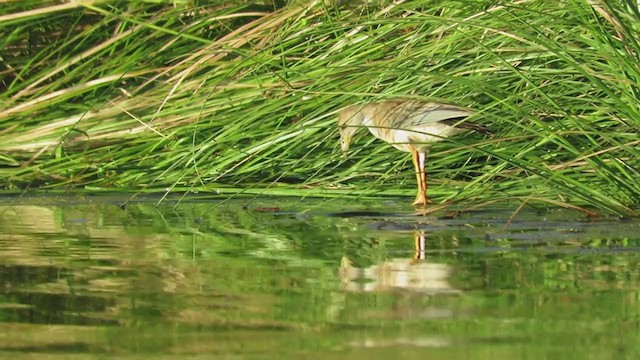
<point>416,114</point>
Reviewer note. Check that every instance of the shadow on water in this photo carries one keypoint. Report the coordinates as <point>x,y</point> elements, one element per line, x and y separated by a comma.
<point>300,278</point>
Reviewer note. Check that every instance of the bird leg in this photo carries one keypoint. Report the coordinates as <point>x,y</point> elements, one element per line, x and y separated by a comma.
<point>414,159</point>
<point>421,177</point>
<point>422,165</point>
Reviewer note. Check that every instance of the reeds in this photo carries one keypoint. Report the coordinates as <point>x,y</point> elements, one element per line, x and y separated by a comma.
<point>241,97</point>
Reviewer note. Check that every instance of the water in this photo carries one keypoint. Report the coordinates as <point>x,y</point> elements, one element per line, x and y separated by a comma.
<point>292,278</point>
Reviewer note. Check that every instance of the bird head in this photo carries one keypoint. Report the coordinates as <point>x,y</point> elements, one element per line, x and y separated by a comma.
<point>349,121</point>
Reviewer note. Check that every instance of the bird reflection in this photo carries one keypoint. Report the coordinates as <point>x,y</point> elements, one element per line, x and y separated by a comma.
<point>420,246</point>
<point>413,274</point>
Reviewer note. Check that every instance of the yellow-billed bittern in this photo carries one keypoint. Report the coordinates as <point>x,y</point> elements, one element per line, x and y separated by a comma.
<point>410,126</point>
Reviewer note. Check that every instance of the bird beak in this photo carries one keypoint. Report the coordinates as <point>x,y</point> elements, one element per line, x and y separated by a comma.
<point>344,145</point>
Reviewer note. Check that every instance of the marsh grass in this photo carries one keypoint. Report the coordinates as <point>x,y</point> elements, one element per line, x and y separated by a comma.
<point>241,97</point>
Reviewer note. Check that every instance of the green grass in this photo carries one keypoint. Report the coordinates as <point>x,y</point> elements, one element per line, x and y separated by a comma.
<point>241,97</point>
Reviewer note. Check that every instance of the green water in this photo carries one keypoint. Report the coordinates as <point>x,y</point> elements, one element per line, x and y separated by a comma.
<point>291,278</point>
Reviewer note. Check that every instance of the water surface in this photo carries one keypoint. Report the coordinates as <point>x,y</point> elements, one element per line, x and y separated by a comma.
<point>88,277</point>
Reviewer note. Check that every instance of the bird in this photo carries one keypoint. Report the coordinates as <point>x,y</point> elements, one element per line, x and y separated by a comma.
<point>408,125</point>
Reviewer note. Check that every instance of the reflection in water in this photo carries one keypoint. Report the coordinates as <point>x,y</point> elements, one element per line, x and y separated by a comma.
<point>86,277</point>
<point>414,274</point>
<point>420,245</point>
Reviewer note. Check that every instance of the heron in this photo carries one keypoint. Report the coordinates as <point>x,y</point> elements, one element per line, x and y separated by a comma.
<point>408,125</point>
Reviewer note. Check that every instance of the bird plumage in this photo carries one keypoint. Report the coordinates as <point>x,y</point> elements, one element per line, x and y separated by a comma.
<point>401,123</point>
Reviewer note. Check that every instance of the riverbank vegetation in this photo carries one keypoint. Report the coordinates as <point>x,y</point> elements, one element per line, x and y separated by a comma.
<point>240,97</point>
